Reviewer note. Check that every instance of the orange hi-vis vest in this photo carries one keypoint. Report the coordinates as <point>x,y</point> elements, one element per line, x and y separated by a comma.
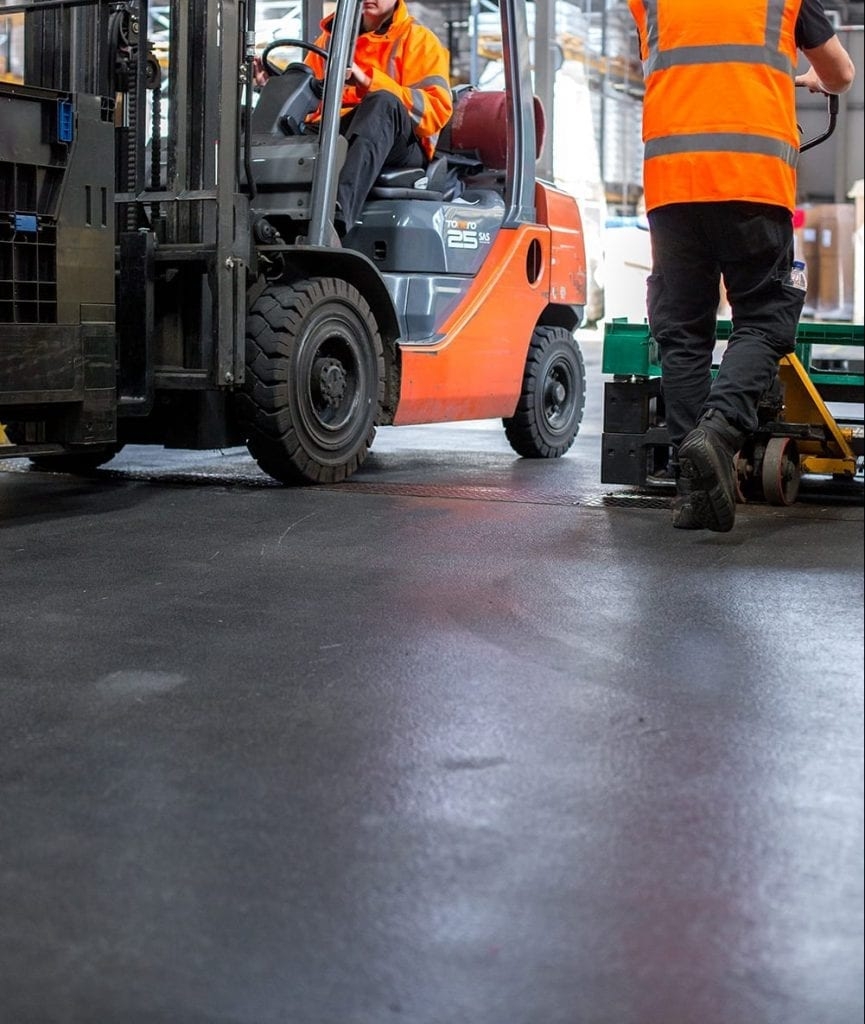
<point>719,111</point>
<point>407,60</point>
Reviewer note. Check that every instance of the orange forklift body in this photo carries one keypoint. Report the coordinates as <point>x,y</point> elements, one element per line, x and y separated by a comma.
<point>476,370</point>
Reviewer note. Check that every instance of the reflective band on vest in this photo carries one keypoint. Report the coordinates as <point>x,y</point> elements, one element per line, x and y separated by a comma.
<point>722,142</point>
<point>719,117</point>
<point>717,54</point>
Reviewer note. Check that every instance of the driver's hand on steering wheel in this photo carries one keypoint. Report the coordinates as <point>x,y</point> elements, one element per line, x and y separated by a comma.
<point>259,72</point>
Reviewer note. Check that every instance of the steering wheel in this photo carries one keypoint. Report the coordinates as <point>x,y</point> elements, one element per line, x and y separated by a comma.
<point>271,68</point>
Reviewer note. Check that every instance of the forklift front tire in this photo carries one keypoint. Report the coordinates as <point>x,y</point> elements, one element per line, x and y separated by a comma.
<point>550,407</point>
<point>315,380</point>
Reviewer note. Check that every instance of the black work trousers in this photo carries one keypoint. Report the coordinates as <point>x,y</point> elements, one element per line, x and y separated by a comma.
<point>379,133</point>
<point>693,245</point>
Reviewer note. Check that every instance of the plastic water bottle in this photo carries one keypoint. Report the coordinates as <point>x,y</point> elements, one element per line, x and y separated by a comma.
<point>798,276</point>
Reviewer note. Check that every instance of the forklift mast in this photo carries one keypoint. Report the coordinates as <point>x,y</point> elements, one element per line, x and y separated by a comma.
<point>173,204</point>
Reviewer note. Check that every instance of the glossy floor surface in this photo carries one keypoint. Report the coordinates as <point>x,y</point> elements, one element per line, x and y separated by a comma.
<point>465,740</point>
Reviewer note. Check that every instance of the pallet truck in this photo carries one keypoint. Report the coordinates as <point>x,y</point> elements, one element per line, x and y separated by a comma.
<point>798,435</point>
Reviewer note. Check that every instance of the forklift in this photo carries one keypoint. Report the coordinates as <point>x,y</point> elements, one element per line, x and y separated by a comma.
<point>169,273</point>
<point>798,436</point>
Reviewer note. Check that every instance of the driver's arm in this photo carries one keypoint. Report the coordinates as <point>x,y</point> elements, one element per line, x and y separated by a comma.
<point>422,82</point>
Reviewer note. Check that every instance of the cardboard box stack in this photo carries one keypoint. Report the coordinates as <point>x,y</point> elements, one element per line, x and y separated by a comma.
<point>825,242</point>
<point>857,194</point>
<point>835,297</point>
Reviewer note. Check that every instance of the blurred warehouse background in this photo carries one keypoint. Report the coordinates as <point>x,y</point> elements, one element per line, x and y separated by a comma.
<point>588,74</point>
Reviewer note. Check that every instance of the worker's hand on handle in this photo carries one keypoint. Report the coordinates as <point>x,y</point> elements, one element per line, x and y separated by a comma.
<point>811,81</point>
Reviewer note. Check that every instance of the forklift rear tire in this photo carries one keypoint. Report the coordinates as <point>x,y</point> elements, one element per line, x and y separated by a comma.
<point>79,464</point>
<point>314,380</point>
<point>550,408</point>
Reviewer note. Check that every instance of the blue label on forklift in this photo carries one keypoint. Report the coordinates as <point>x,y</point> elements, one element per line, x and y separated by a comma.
<point>26,222</point>
<point>64,120</point>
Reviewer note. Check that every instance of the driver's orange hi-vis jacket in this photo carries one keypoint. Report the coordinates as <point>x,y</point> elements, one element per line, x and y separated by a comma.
<point>719,113</point>
<point>406,59</point>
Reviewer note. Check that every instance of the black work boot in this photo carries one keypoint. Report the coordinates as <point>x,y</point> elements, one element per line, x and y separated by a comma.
<point>683,513</point>
<point>706,462</point>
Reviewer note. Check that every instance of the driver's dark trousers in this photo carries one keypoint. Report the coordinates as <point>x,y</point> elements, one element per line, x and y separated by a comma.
<point>693,245</point>
<point>379,132</point>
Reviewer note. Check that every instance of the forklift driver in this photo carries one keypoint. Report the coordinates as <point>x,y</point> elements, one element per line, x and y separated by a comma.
<point>396,101</point>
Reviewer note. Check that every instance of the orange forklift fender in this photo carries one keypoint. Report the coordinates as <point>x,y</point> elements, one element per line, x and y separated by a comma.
<point>560,212</point>
<point>475,369</point>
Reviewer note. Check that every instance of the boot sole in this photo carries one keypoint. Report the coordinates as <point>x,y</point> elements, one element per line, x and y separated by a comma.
<point>684,519</point>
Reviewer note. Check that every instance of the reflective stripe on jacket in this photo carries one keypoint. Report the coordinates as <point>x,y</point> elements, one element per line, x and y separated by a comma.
<point>407,60</point>
<point>719,111</point>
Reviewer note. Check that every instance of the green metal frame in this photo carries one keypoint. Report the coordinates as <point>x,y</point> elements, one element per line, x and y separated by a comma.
<point>631,351</point>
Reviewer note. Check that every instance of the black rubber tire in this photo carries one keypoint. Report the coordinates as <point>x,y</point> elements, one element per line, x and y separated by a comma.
<point>315,379</point>
<point>550,408</point>
<point>79,464</point>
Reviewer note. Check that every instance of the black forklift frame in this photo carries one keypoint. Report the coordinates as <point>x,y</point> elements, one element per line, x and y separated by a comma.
<point>178,211</point>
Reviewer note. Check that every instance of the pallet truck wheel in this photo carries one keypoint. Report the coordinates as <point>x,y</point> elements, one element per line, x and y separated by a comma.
<point>780,471</point>
<point>314,380</point>
<point>550,407</point>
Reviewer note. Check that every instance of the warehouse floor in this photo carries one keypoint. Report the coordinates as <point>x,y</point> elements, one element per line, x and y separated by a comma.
<point>465,740</point>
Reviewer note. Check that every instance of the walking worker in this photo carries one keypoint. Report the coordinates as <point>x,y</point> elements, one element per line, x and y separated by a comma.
<point>396,101</point>
<point>721,148</point>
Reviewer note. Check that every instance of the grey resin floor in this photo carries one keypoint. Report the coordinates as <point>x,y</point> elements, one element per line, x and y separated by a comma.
<point>466,740</point>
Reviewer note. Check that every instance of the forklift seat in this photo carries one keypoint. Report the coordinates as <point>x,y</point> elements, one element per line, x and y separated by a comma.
<point>473,141</point>
<point>413,182</point>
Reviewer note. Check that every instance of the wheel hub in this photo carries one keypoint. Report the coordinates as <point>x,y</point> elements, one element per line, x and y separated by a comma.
<point>331,379</point>
<point>555,395</point>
